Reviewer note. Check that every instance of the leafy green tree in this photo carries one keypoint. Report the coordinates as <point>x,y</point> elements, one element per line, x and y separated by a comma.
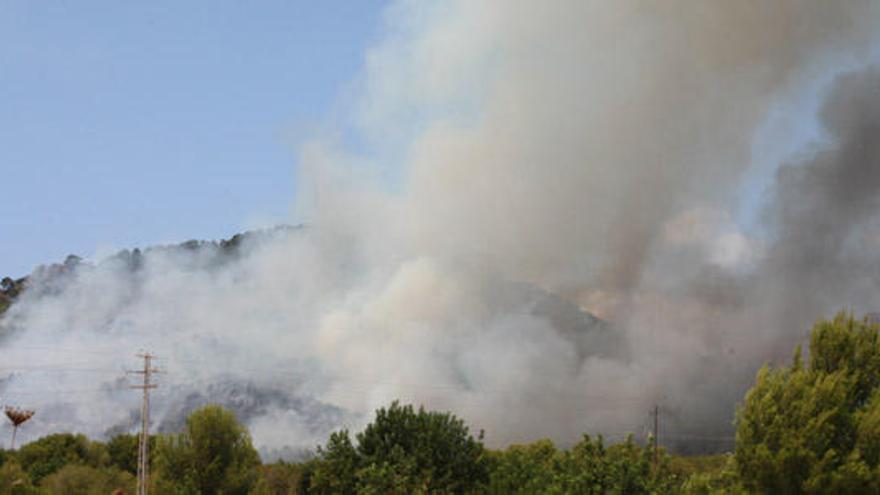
<point>816,428</point>
<point>122,451</point>
<point>525,468</point>
<point>337,468</point>
<point>403,451</point>
<point>51,453</point>
<point>630,467</point>
<point>435,446</point>
<point>213,454</point>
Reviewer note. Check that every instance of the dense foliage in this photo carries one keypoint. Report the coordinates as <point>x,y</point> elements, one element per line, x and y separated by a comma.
<point>212,455</point>
<point>123,451</point>
<point>403,451</point>
<point>51,453</point>
<point>589,467</point>
<point>815,428</point>
<point>87,480</point>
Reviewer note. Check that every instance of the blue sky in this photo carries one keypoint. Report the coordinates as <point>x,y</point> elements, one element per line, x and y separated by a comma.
<point>126,124</point>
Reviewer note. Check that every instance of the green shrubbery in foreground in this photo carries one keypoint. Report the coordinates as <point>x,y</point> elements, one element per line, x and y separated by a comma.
<point>806,428</point>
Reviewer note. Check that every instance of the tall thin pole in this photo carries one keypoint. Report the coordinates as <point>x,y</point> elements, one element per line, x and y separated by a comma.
<point>656,433</point>
<point>144,443</point>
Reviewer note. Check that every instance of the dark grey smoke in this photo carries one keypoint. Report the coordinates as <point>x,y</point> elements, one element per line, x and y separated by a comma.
<point>825,211</point>
<point>823,216</point>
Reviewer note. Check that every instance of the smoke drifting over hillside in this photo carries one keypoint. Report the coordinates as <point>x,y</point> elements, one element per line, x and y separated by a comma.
<point>525,159</point>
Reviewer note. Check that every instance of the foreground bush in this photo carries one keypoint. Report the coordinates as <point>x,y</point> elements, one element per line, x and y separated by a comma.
<point>85,480</point>
<point>15,481</point>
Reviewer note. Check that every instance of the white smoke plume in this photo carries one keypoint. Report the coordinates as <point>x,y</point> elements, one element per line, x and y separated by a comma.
<point>522,159</point>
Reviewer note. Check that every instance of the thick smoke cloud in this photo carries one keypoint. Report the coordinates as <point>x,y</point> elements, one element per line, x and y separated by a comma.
<point>825,213</point>
<point>525,160</point>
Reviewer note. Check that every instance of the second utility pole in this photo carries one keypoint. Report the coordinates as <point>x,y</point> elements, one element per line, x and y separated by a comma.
<point>656,414</point>
<point>144,444</point>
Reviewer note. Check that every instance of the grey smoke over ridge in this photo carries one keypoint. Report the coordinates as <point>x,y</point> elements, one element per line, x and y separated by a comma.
<point>582,153</point>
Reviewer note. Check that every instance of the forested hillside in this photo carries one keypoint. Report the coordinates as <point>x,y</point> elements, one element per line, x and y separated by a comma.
<point>220,251</point>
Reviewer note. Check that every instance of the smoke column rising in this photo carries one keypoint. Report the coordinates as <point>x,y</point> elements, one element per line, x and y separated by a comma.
<point>589,150</point>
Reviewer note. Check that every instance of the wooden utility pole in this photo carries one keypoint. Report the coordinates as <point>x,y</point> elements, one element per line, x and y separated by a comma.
<point>656,414</point>
<point>144,443</point>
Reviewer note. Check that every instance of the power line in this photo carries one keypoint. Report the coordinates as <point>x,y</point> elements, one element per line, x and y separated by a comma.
<point>343,385</point>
